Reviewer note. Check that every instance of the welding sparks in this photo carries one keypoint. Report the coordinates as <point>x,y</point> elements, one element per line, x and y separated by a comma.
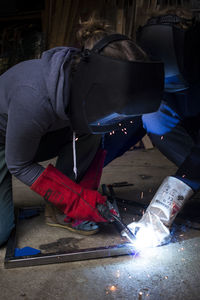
<point>140,295</point>
<point>112,132</point>
<point>112,288</point>
<point>118,274</point>
<point>145,236</point>
<point>124,130</point>
<point>181,249</point>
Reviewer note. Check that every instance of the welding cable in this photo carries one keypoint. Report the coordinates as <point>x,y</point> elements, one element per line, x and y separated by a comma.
<point>74,154</point>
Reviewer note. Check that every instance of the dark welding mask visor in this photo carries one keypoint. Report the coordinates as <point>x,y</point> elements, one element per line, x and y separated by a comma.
<point>106,91</point>
<point>178,48</point>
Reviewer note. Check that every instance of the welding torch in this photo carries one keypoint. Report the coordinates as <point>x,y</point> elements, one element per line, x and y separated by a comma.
<point>111,213</point>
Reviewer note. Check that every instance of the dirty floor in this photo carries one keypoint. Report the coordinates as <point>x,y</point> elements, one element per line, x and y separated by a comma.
<point>165,273</point>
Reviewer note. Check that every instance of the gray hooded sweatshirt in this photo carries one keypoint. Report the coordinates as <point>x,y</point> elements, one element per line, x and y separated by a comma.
<point>33,97</point>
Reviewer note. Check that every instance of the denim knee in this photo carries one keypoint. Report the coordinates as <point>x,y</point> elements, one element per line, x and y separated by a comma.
<point>5,231</point>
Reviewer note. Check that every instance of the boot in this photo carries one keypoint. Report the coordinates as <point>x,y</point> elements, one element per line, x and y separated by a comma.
<point>55,218</point>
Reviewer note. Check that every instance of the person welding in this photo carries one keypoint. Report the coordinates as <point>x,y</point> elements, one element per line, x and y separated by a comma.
<point>173,37</point>
<point>60,106</point>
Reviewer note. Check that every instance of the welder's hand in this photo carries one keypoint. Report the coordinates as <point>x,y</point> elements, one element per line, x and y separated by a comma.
<point>153,229</point>
<point>150,231</point>
<point>71,198</point>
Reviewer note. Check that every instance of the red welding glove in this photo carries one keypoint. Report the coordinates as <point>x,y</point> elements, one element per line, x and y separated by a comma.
<point>92,177</point>
<point>72,199</point>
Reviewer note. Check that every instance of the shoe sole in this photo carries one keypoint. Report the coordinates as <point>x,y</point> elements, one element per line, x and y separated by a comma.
<point>82,232</point>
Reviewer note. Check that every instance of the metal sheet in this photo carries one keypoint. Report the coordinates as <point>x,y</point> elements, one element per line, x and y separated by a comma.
<point>52,258</point>
<point>11,261</point>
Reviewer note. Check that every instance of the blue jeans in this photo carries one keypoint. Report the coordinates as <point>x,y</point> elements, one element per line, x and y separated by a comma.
<point>6,203</point>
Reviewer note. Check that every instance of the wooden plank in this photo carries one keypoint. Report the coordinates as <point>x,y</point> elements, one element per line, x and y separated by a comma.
<point>64,24</point>
<point>120,18</point>
<point>56,19</point>
<point>147,142</point>
<point>73,17</point>
<point>132,19</point>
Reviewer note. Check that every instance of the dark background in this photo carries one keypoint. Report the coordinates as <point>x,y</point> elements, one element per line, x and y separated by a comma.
<point>28,27</point>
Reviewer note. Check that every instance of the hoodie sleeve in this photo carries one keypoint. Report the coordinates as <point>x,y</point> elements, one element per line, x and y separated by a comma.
<point>29,117</point>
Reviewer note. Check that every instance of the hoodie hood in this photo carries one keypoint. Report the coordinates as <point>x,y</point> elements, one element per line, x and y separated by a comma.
<point>55,65</point>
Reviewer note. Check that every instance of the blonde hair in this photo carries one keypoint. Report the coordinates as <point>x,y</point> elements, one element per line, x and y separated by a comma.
<point>93,30</point>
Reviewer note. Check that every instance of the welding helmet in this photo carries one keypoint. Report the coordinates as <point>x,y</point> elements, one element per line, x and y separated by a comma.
<point>106,91</point>
<point>178,48</point>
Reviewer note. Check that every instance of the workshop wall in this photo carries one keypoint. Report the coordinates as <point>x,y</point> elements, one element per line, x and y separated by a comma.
<point>61,16</point>
<point>21,34</point>
<point>27,28</point>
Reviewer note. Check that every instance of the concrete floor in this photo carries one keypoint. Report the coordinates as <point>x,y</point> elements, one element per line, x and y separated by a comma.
<point>167,272</point>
